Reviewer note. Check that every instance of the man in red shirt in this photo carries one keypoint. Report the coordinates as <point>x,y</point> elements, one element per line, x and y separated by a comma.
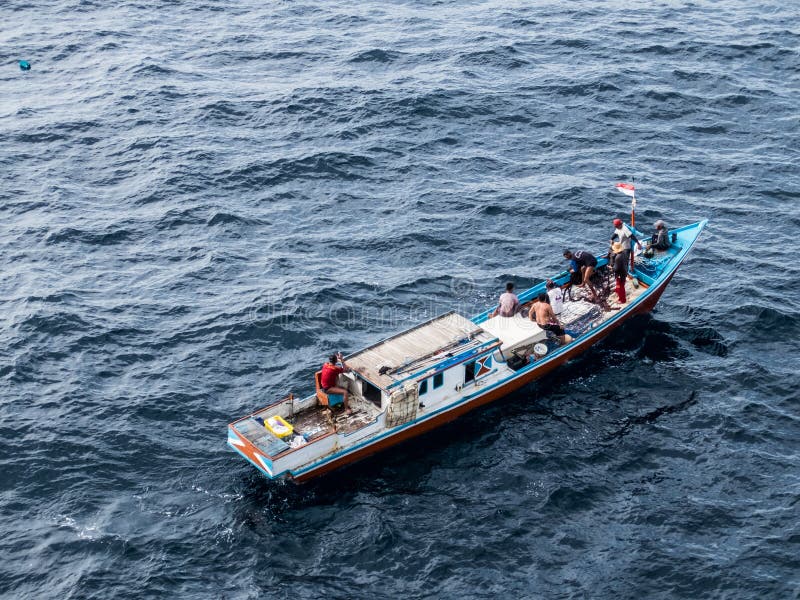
<point>329,380</point>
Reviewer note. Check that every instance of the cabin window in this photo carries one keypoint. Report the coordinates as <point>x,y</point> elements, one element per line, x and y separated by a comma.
<point>423,387</point>
<point>469,372</point>
<point>438,380</point>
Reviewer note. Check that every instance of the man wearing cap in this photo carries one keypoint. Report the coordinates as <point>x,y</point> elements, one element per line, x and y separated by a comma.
<point>329,380</point>
<point>619,265</point>
<point>624,235</point>
<point>660,239</point>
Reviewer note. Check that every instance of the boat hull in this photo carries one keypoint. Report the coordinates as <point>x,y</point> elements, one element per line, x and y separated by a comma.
<point>489,396</point>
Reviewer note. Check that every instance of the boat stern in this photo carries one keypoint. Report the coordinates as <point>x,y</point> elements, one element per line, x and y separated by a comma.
<point>238,442</point>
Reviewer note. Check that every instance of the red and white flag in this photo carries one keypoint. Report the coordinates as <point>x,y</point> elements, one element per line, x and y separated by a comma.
<point>627,189</point>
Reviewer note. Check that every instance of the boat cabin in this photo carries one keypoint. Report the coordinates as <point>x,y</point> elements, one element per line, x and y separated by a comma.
<point>423,365</point>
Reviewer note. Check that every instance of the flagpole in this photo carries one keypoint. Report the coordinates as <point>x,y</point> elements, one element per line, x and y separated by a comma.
<point>633,215</point>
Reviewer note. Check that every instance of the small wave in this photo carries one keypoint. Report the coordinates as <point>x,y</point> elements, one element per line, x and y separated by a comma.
<point>223,218</point>
<point>376,55</point>
<point>766,320</point>
<point>56,298</point>
<point>511,119</point>
<point>692,75</point>
<point>338,165</point>
<point>708,129</point>
<point>660,96</point>
<point>709,340</point>
<point>223,112</point>
<point>175,218</point>
<point>733,100</point>
<point>584,89</point>
<point>662,50</point>
<point>492,210</point>
<point>52,324</point>
<point>576,43</point>
<point>110,238</point>
<point>152,70</point>
<point>506,57</point>
<point>68,51</point>
<point>570,500</point>
<point>44,137</point>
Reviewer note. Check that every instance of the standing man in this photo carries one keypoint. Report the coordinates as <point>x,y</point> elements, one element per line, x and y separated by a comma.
<point>509,303</point>
<point>624,235</point>
<point>619,263</point>
<point>329,380</point>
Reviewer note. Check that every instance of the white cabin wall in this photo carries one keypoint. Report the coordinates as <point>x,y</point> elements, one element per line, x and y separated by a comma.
<point>454,376</point>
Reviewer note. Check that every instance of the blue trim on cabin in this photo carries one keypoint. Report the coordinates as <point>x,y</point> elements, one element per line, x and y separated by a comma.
<point>451,361</point>
<point>678,260</point>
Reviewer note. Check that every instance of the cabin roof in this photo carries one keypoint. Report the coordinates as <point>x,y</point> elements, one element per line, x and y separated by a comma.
<point>421,346</point>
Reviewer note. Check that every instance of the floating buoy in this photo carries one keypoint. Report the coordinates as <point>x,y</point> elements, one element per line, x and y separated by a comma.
<point>24,65</point>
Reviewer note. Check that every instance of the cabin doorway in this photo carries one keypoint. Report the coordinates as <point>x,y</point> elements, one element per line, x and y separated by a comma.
<point>469,372</point>
<point>371,393</point>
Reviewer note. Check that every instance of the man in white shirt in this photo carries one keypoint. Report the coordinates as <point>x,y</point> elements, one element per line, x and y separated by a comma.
<point>556,297</point>
<point>623,235</point>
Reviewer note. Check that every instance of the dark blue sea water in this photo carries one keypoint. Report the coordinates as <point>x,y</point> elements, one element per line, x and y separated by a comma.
<point>201,199</point>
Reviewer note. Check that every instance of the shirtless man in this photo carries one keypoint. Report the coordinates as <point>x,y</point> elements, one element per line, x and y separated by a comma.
<point>543,314</point>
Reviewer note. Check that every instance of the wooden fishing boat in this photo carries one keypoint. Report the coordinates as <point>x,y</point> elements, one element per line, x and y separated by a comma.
<point>421,378</point>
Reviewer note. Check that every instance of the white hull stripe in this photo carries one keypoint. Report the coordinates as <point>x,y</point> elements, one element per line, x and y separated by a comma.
<point>234,440</point>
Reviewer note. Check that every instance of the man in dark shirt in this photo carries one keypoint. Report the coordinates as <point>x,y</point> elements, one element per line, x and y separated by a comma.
<point>619,262</point>
<point>582,262</point>
<point>660,239</point>
<point>329,380</point>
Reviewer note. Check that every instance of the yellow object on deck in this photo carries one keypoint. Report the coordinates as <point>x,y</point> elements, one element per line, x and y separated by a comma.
<point>278,426</point>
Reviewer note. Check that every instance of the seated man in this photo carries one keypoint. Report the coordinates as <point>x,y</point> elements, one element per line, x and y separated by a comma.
<point>329,380</point>
<point>509,303</point>
<point>556,297</point>
<point>582,262</point>
<point>543,314</point>
<point>660,239</point>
